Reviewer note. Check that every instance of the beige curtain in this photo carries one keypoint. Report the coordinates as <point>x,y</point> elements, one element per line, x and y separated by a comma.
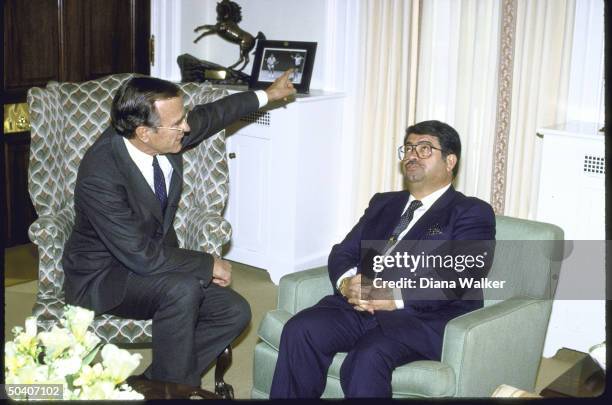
<point>540,86</point>
<point>384,91</point>
<point>457,81</point>
<point>441,59</point>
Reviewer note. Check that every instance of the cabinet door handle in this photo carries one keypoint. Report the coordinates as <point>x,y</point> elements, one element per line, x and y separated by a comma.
<point>232,155</point>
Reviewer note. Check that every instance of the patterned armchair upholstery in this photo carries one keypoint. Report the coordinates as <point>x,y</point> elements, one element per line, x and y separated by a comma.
<point>66,118</point>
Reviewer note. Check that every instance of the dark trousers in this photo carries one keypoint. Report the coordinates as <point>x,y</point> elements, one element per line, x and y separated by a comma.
<point>313,336</point>
<point>192,325</point>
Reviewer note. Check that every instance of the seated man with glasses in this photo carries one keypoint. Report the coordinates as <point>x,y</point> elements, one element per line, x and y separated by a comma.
<point>380,332</point>
<point>122,257</point>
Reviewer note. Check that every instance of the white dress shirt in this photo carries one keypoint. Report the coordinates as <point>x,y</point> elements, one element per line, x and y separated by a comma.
<point>427,201</point>
<point>144,161</point>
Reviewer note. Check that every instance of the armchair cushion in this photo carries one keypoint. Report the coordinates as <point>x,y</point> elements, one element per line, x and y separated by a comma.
<point>423,378</point>
<point>297,291</point>
<point>122,331</point>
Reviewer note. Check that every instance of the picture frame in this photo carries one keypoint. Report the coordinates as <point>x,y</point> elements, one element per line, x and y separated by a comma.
<point>272,58</point>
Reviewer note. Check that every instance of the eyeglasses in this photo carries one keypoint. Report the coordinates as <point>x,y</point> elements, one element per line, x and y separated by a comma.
<point>171,128</point>
<point>422,149</point>
<point>181,130</point>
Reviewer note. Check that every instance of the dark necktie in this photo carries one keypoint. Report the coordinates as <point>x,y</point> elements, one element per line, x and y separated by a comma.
<point>403,223</point>
<point>159,183</point>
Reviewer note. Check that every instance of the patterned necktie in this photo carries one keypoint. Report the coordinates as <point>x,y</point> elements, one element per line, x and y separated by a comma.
<point>159,183</point>
<point>403,223</point>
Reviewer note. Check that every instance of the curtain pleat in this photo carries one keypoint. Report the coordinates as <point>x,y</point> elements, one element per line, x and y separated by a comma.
<point>385,97</point>
<point>542,58</point>
<point>457,81</point>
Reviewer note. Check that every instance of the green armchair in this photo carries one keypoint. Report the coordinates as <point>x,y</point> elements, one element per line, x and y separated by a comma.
<point>501,343</point>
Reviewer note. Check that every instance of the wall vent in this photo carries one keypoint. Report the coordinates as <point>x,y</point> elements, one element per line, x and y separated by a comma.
<point>258,117</point>
<point>594,164</point>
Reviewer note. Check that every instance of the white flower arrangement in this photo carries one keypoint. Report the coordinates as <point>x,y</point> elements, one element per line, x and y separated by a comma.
<point>63,356</point>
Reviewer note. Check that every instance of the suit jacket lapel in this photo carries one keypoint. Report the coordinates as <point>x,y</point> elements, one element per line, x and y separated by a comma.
<point>137,182</point>
<point>174,193</point>
<point>177,177</point>
<point>418,229</point>
<point>389,217</point>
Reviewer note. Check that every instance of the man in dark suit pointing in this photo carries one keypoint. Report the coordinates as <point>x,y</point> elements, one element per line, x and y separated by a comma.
<point>380,331</point>
<point>122,257</point>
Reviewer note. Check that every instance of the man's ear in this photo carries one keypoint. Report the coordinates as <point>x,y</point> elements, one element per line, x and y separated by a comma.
<point>451,162</point>
<point>143,133</point>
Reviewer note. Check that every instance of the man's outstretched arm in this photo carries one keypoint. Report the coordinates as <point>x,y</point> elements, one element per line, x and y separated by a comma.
<point>206,120</point>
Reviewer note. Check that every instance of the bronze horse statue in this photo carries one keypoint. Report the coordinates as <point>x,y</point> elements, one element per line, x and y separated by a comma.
<point>228,16</point>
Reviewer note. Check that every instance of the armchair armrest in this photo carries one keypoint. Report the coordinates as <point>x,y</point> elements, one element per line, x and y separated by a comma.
<point>473,341</point>
<point>303,289</point>
<point>51,231</point>
<point>206,231</point>
<point>271,327</point>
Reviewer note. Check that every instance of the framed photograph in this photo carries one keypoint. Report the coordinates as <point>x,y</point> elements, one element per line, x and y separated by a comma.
<point>272,58</point>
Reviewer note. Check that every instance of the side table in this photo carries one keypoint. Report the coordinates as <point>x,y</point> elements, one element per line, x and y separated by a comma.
<point>584,379</point>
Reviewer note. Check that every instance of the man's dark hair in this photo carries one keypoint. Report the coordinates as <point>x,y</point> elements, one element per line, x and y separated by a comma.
<point>447,136</point>
<point>133,104</point>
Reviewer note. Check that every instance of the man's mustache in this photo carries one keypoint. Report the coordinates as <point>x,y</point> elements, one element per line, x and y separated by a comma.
<point>412,163</point>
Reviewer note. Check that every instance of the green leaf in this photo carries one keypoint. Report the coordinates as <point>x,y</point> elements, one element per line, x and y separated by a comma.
<point>70,381</point>
<point>92,354</point>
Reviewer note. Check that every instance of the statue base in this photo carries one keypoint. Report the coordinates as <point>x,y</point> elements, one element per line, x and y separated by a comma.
<point>198,70</point>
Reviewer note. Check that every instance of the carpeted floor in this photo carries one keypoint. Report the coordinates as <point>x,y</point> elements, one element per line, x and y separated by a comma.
<point>20,264</point>
<point>254,284</point>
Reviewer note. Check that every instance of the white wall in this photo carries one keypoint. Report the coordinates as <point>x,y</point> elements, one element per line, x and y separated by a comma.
<point>166,18</point>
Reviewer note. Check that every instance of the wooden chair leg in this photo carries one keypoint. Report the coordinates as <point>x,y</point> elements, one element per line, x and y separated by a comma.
<point>223,389</point>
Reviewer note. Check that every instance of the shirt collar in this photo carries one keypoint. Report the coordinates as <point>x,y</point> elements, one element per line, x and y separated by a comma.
<point>429,200</point>
<point>138,156</point>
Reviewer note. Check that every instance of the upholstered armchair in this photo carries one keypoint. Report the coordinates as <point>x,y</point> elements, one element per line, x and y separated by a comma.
<point>501,343</point>
<point>66,118</point>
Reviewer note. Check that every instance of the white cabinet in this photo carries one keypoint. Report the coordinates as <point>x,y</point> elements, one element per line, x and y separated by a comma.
<point>284,168</point>
<point>572,196</point>
<point>572,180</point>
